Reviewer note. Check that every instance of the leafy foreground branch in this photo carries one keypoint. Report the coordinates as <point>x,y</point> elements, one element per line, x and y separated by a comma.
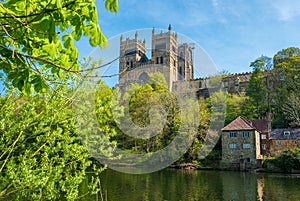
<point>37,39</point>
<point>41,156</point>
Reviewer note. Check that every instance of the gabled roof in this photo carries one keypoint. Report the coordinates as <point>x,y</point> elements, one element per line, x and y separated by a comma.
<point>285,133</point>
<point>239,124</point>
<point>261,125</point>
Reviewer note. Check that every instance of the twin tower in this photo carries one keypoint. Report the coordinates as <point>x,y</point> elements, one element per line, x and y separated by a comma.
<point>173,60</point>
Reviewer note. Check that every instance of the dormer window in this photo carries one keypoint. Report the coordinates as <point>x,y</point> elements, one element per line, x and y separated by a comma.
<point>286,133</point>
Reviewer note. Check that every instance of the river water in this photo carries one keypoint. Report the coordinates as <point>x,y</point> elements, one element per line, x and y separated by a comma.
<point>184,185</point>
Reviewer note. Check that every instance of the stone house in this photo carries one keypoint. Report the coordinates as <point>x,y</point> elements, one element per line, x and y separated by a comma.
<point>241,144</point>
<point>281,139</point>
<point>238,145</point>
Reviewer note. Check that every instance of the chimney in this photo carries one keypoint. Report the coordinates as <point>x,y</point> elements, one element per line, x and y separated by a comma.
<point>268,118</point>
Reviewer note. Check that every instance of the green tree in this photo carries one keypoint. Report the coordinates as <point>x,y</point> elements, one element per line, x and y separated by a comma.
<point>41,155</point>
<point>257,90</point>
<point>291,109</point>
<point>154,93</point>
<point>37,39</point>
<point>192,155</point>
<point>288,160</point>
<point>235,107</point>
<point>287,71</point>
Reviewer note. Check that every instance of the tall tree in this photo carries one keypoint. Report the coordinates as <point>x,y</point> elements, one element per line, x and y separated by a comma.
<point>287,70</point>
<point>234,107</point>
<point>257,90</point>
<point>291,109</point>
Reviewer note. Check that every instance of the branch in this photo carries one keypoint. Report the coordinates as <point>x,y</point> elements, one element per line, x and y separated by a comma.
<point>40,59</point>
<point>11,150</point>
<point>101,66</point>
<point>35,14</point>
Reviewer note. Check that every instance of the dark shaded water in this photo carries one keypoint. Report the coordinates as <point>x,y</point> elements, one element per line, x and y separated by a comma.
<point>177,185</point>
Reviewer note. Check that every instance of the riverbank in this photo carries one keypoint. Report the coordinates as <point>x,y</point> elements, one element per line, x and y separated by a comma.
<point>268,169</point>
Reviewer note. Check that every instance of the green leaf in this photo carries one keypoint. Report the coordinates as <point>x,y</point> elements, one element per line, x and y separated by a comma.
<point>111,5</point>
<point>21,5</point>
<point>77,33</point>
<point>50,49</point>
<point>85,11</point>
<point>69,42</point>
<point>51,31</point>
<point>58,4</point>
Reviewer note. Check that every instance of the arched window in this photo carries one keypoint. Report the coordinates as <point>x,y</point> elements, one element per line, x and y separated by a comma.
<point>143,78</point>
<point>181,56</point>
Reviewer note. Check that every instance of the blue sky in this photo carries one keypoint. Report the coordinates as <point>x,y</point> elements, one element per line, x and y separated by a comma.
<point>232,32</point>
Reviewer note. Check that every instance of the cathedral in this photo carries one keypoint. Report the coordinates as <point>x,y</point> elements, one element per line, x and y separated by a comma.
<point>173,60</point>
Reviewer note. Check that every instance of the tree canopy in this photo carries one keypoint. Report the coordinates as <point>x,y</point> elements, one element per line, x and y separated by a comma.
<point>287,70</point>
<point>41,155</point>
<point>37,39</point>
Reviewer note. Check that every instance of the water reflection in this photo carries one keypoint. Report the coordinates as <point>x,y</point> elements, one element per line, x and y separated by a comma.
<point>179,185</point>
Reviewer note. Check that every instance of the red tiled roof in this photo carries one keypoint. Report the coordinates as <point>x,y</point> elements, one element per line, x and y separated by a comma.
<point>239,124</point>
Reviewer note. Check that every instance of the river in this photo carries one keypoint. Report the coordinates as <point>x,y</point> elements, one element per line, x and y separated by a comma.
<point>184,185</point>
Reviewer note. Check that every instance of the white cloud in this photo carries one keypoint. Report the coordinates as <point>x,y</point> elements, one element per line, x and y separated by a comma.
<point>215,4</point>
<point>287,9</point>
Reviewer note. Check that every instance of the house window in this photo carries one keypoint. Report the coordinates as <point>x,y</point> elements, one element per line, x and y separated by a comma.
<point>233,134</point>
<point>161,60</point>
<point>246,134</point>
<point>264,147</point>
<point>157,60</point>
<point>246,146</point>
<point>232,146</point>
<point>286,133</point>
<point>263,137</point>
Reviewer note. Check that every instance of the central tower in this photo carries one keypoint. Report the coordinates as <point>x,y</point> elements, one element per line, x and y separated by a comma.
<point>165,52</point>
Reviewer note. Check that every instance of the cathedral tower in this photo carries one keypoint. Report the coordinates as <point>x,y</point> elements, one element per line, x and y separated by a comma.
<point>165,52</point>
<point>132,51</point>
<point>185,62</point>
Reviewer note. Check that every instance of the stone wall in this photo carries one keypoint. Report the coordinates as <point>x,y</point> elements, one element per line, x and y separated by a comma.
<point>233,155</point>
<point>278,145</point>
